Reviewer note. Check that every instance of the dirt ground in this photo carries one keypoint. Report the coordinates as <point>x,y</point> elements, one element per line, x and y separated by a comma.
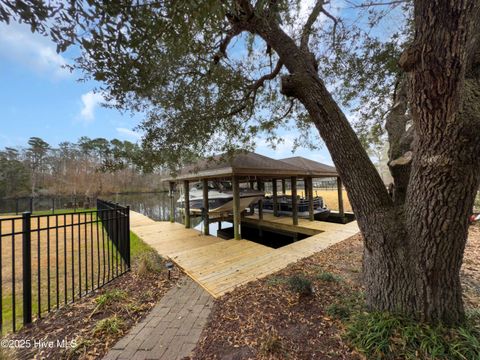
<point>266,320</point>
<point>78,323</point>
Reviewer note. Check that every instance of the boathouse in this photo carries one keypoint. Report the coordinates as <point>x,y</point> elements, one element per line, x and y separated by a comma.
<point>255,170</point>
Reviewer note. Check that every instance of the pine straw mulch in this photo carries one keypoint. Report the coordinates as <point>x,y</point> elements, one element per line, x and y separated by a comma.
<point>140,292</point>
<point>470,272</point>
<point>266,320</point>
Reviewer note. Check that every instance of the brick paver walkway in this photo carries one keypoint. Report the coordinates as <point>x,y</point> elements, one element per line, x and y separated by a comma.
<point>171,330</point>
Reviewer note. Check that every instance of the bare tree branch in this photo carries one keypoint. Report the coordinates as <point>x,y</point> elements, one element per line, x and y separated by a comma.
<point>307,28</point>
<point>222,51</point>
<point>259,83</point>
<point>369,4</point>
<point>252,90</point>
<point>335,23</point>
<point>289,110</point>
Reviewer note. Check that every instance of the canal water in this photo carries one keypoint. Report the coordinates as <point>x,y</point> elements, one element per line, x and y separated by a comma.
<point>157,207</point>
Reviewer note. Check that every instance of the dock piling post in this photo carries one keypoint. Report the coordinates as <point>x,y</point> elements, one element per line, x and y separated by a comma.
<point>275,197</point>
<point>294,200</point>
<point>236,209</point>
<point>341,210</point>
<point>172,202</point>
<point>186,200</point>
<point>206,221</point>
<point>260,202</point>
<point>309,191</point>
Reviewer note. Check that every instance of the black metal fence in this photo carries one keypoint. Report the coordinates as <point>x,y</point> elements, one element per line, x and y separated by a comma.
<point>45,203</point>
<point>47,261</point>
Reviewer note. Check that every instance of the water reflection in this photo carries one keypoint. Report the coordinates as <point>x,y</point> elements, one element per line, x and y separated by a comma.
<point>157,207</point>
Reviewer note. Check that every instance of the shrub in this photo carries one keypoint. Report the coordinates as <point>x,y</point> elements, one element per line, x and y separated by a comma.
<point>109,298</point>
<point>271,343</point>
<point>149,262</point>
<point>301,285</point>
<point>328,277</point>
<point>473,314</point>
<point>338,311</point>
<point>381,335</point>
<point>111,325</point>
<point>276,280</point>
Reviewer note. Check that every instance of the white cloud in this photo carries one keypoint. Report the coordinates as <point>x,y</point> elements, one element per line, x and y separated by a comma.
<point>90,101</point>
<point>285,149</point>
<point>19,44</point>
<point>129,133</point>
<point>282,149</point>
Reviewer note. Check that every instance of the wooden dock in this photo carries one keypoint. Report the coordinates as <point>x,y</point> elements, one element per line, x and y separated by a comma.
<point>221,265</point>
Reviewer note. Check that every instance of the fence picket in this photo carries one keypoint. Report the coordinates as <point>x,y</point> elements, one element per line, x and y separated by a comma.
<point>112,220</point>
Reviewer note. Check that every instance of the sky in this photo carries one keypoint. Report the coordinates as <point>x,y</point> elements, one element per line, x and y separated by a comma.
<point>40,98</point>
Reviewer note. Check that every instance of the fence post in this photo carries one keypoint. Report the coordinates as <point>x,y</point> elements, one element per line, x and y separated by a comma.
<point>128,237</point>
<point>27,268</point>
<point>31,205</point>
<point>53,205</point>
<point>16,206</point>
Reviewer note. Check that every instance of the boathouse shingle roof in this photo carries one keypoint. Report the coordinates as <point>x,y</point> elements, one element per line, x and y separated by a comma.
<point>250,164</point>
<point>313,167</point>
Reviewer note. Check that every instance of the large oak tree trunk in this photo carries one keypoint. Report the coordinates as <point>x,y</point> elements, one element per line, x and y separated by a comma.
<point>445,167</point>
<point>413,252</point>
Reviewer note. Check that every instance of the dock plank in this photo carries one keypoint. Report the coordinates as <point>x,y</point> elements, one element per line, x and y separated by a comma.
<point>221,265</point>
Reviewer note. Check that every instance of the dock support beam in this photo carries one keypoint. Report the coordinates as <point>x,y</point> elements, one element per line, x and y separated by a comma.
<point>275,197</point>
<point>260,202</point>
<point>340,197</point>
<point>284,187</point>
<point>206,221</point>
<point>309,194</point>
<point>293,184</point>
<point>186,200</point>
<point>172,202</point>
<point>236,209</point>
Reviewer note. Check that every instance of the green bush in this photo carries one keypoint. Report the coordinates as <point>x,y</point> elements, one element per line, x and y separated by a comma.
<point>276,280</point>
<point>338,311</point>
<point>149,262</point>
<point>110,297</point>
<point>385,336</point>
<point>301,285</point>
<point>111,325</point>
<point>328,277</point>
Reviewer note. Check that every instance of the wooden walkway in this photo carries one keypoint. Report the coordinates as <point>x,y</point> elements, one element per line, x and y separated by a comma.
<point>220,265</point>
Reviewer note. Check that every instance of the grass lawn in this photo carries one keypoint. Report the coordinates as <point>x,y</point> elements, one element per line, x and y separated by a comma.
<point>87,247</point>
<point>330,197</point>
<point>48,212</point>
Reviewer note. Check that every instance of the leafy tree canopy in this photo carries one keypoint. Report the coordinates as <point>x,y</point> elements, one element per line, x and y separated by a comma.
<point>207,86</point>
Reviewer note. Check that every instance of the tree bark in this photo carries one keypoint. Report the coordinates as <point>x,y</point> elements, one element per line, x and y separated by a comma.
<point>400,139</point>
<point>412,253</point>
<point>445,166</point>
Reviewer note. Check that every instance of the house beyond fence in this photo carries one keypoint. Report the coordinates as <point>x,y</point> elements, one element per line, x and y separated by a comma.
<point>47,261</point>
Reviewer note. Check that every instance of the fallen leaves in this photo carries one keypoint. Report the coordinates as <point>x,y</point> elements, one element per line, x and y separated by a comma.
<point>241,320</point>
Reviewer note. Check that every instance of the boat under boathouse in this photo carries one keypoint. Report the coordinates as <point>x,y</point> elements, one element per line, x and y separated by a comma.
<point>257,172</point>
